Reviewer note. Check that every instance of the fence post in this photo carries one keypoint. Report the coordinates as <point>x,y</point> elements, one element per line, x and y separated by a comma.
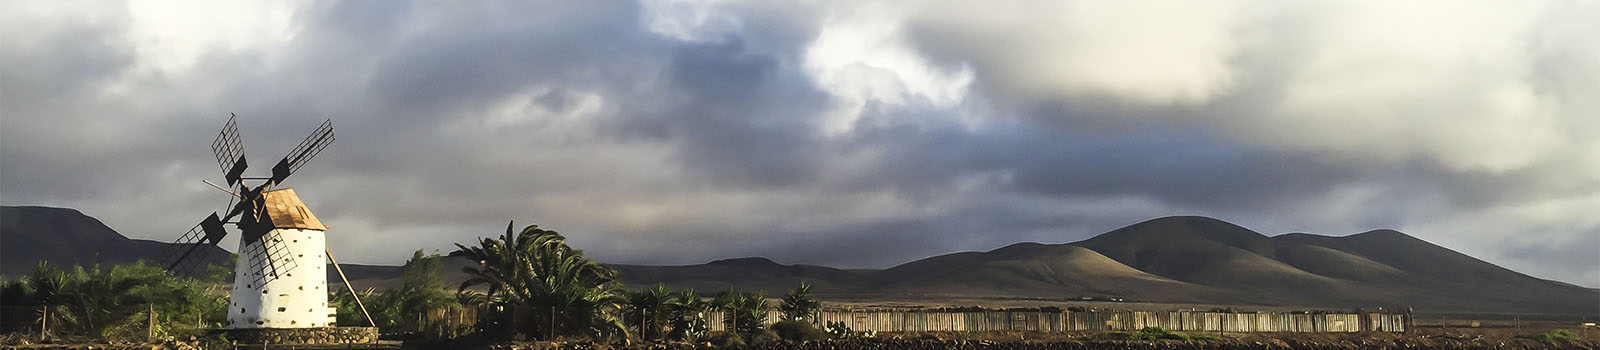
<point>152,328</point>
<point>1409,321</point>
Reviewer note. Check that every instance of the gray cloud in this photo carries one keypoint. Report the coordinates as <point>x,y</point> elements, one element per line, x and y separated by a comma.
<point>844,134</point>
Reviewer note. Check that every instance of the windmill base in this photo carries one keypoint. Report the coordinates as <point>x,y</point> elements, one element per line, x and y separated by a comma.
<point>304,336</point>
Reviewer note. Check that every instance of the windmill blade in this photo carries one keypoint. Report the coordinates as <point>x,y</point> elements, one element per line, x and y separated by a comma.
<point>269,258</point>
<point>185,253</point>
<point>228,147</point>
<point>308,148</point>
<point>194,265</point>
<point>249,202</point>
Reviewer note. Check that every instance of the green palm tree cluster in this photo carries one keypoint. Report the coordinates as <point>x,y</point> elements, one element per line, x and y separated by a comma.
<point>649,312</point>
<point>689,317</point>
<point>114,303</point>
<point>747,312</point>
<point>660,313</point>
<point>544,288</point>
<point>797,304</point>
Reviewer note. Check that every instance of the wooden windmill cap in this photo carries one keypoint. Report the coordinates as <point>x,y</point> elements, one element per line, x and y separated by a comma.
<point>286,210</point>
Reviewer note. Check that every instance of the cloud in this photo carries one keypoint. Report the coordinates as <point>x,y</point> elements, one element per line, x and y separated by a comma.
<point>838,133</point>
<point>1464,85</point>
<point>1136,51</point>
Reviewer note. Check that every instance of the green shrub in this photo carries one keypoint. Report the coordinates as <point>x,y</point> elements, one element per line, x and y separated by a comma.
<point>765,336</point>
<point>840,331</point>
<point>725,339</point>
<point>798,331</point>
<point>115,302</point>
<point>1558,334</point>
<point>1154,333</point>
<point>797,304</point>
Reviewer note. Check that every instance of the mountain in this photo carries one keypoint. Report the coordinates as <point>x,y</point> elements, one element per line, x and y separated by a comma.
<point>65,237</point>
<point>1382,267</point>
<point>1034,270</point>
<point>1208,252</point>
<point>1187,259</point>
<point>1180,259</point>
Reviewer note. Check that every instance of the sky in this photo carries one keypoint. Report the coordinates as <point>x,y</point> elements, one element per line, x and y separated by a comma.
<point>857,134</point>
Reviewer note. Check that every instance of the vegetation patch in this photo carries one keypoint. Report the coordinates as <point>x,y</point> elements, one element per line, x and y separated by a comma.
<point>1557,334</point>
<point>126,302</point>
<point>793,330</point>
<point>1156,333</point>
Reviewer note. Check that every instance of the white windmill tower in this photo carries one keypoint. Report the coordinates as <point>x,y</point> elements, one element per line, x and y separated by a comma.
<point>290,300</point>
<point>278,234</point>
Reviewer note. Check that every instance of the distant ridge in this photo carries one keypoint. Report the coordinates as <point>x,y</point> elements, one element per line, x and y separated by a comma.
<point>1186,259</point>
<point>1375,267</point>
<point>65,237</point>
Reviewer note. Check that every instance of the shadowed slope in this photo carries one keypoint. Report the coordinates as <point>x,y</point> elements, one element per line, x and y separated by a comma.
<point>1036,270</point>
<point>65,237</point>
<point>1210,252</point>
<point>1416,257</point>
<point>1376,268</point>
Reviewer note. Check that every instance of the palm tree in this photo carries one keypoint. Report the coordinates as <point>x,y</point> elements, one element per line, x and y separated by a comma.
<point>649,309</point>
<point>97,300</point>
<point>797,304</point>
<point>727,303</point>
<point>688,316</point>
<point>546,287</point>
<point>750,312</point>
<point>41,288</point>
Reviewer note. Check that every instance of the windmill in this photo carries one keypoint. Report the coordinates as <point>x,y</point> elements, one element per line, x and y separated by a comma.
<point>278,235</point>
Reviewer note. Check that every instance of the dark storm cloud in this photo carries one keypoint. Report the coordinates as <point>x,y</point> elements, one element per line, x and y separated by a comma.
<point>1184,167</point>
<point>739,118</point>
<point>663,135</point>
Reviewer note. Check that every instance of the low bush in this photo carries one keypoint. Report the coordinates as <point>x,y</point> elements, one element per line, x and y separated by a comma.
<point>1154,333</point>
<point>840,331</point>
<point>763,337</point>
<point>798,331</point>
<point>725,339</point>
<point>1558,334</point>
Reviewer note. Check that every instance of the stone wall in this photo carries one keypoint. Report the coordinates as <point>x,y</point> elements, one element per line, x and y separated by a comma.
<point>304,336</point>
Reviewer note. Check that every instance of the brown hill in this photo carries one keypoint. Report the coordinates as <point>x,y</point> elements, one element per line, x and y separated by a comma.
<point>66,237</point>
<point>1382,267</point>
<point>1037,271</point>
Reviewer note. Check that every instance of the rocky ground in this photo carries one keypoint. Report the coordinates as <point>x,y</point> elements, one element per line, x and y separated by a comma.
<point>1463,338</point>
<point>1226,344</point>
<point>1466,340</point>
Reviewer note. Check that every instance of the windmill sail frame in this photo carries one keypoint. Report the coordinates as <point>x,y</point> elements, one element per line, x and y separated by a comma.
<point>246,205</point>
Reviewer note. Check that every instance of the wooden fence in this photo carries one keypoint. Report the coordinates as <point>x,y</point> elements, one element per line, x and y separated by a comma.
<point>445,322</point>
<point>1048,321</point>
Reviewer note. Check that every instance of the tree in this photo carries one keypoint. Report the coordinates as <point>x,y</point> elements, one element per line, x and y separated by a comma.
<point>689,317</point>
<point>421,289</point>
<point>544,286</point>
<point>422,272</point>
<point>649,311</point>
<point>349,313</point>
<point>798,305</point>
<point>750,313</point>
<point>116,303</point>
<point>727,303</point>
